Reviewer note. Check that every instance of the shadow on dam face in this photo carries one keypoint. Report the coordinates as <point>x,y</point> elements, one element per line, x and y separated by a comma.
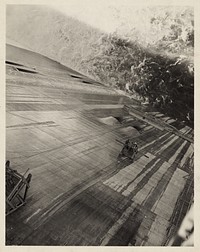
<point>79,193</point>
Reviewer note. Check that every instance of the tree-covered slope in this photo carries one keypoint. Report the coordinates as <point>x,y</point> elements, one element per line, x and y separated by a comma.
<point>164,80</point>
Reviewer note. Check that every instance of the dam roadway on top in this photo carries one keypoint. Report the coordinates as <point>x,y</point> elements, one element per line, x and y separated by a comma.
<point>63,126</point>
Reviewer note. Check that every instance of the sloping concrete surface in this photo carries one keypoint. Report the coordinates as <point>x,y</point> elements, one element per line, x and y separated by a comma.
<point>79,194</point>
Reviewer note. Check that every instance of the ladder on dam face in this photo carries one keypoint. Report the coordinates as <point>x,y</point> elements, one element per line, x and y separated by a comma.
<point>16,188</point>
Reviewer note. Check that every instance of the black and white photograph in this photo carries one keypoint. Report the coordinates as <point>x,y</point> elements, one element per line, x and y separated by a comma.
<point>99,128</point>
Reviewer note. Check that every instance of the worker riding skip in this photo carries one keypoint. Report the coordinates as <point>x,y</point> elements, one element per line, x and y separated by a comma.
<point>135,147</point>
<point>129,150</point>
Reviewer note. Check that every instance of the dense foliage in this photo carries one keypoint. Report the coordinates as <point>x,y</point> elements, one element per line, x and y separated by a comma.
<point>161,72</point>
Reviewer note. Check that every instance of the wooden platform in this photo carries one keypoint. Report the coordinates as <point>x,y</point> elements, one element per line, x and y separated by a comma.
<point>79,194</point>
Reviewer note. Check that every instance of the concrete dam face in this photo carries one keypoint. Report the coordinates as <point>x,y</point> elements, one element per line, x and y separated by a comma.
<point>99,127</point>
<point>69,129</point>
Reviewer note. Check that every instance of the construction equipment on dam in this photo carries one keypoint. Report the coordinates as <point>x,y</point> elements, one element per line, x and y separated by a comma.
<point>128,151</point>
<point>17,186</point>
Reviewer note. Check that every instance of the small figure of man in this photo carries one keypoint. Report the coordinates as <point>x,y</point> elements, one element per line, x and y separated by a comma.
<point>135,148</point>
<point>126,148</point>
